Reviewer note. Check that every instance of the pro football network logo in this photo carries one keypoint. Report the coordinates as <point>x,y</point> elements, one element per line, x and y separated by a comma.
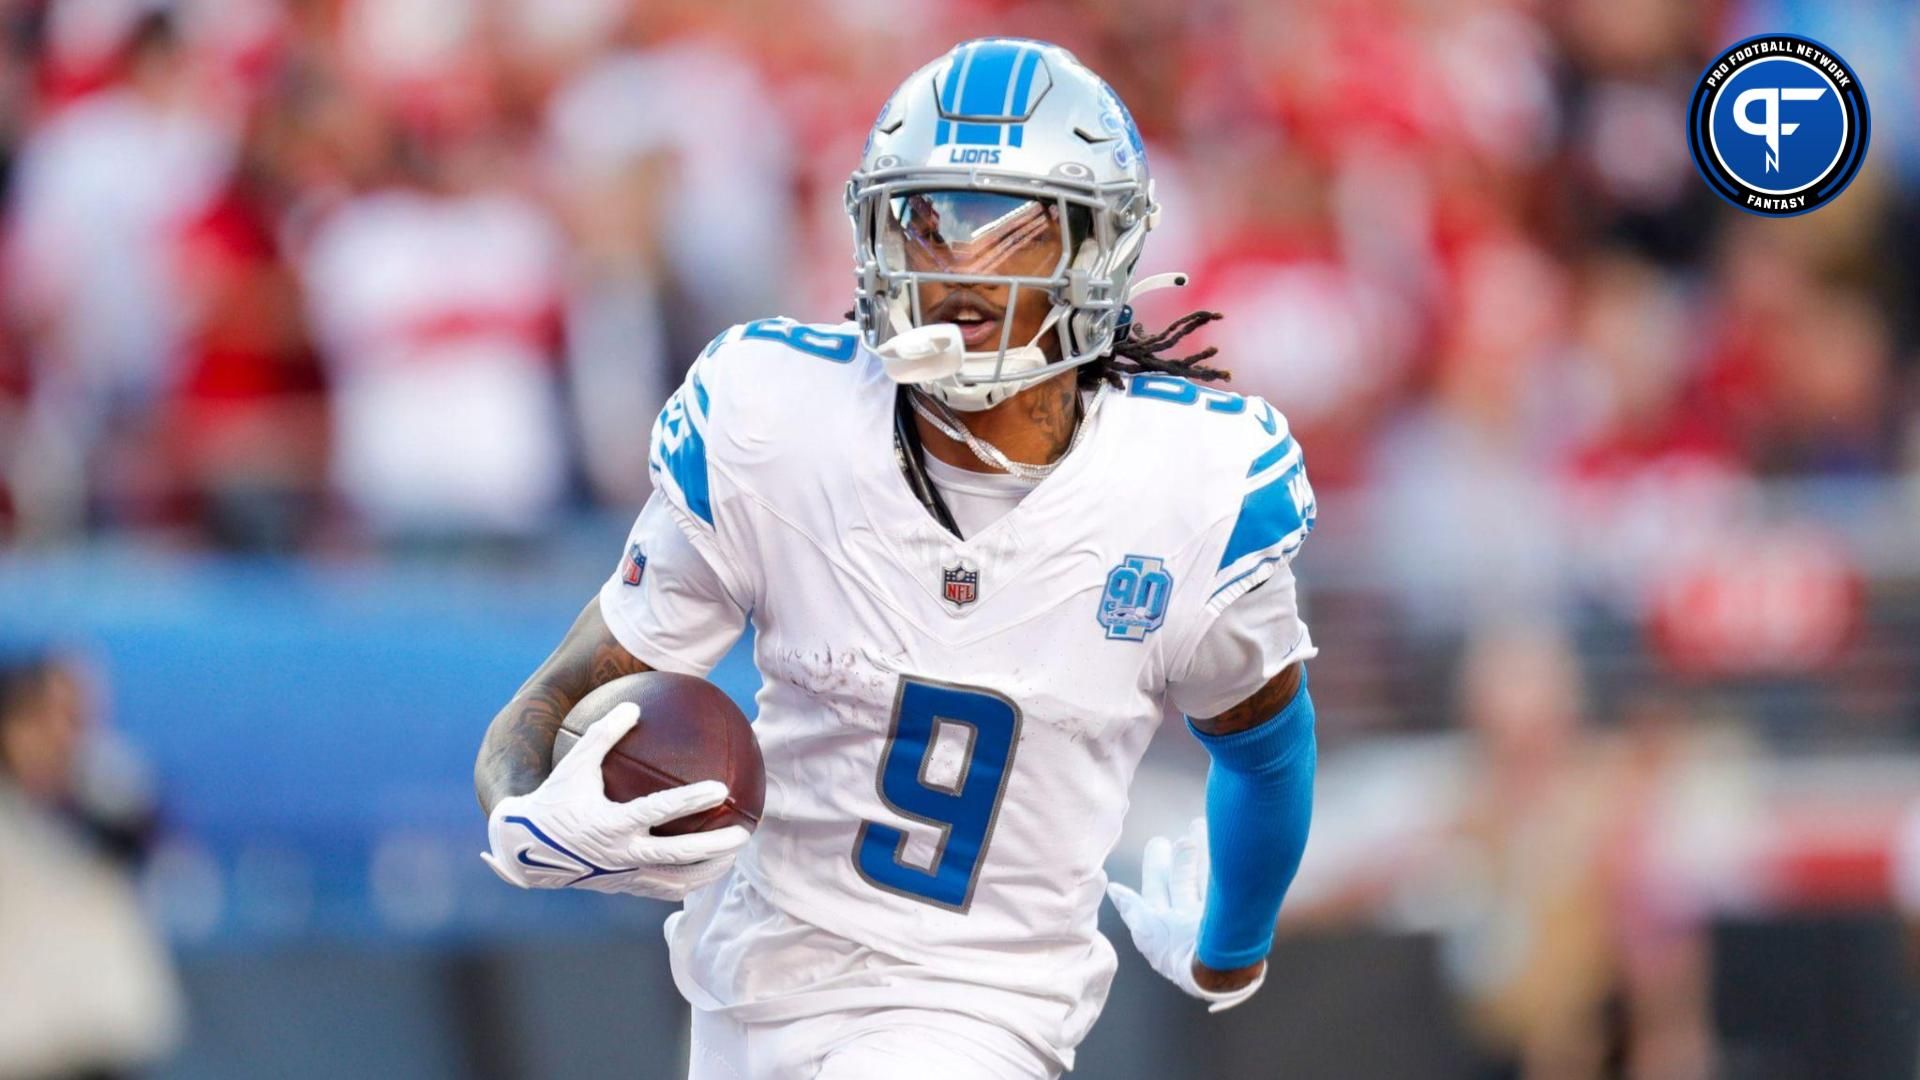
<point>634,565</point>
<point>1134,603</point>
<point>960,585</point>
<point>1778,125</point>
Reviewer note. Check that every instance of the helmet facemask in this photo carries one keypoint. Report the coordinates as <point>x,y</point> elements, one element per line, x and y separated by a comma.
<point>958,228</point>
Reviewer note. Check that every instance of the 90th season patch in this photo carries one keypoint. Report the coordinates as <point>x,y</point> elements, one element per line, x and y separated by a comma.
<point>1778,125</point>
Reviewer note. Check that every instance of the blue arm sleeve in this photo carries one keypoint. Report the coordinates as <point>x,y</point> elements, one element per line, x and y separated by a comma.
<point>1259,804</point>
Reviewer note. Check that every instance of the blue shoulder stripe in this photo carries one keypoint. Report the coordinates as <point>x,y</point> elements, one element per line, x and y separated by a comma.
<point>685,460</point>
<point>1268,515</point>
<point>1265,460</point>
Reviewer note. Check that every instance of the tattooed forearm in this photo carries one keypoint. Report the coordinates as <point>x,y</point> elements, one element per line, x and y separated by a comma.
<point>517,752</point>
<point>1264,703</point>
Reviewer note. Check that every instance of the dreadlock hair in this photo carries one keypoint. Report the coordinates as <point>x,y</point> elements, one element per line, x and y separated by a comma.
<point>1134,352</point>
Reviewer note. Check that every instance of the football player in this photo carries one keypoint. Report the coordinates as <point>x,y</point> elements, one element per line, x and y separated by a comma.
<point>986,531</point>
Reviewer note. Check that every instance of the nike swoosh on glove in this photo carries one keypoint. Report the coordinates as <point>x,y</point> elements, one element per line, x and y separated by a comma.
<point>567,834</point>
<point>1164,916</point>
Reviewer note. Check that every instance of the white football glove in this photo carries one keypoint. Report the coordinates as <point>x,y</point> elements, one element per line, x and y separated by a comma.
<point>1164,916</point>
<point>567,834</point>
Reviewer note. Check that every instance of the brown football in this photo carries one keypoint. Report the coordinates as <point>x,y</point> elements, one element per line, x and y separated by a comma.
<point>689,731</point>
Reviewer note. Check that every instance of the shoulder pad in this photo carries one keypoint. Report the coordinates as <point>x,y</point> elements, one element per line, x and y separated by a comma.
<point>1241,470</point>
<point>750,387</point>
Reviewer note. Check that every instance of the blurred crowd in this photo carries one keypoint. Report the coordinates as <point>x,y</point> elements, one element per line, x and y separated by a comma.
<point>289,273</point>
<point>89,987</point>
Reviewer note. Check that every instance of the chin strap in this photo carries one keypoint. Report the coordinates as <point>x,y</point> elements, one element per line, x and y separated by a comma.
<point>917,355</point>
<point>923,354</point>
<point>950,426</point>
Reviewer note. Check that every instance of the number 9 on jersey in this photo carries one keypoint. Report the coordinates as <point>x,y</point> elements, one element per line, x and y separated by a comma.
<point>926,716</point>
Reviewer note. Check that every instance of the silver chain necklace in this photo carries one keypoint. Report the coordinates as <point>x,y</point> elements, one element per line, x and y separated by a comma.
<point>950,426</point>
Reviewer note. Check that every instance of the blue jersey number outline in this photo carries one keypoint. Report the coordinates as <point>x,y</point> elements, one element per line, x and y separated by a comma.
<point>1184,392</point>
<point>965,813</point>
<point>824,344</point>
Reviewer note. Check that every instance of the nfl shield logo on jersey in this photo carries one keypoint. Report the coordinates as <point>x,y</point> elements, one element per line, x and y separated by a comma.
<point>1134,603</point>
<point>635,565</point>
<point>961,586</point>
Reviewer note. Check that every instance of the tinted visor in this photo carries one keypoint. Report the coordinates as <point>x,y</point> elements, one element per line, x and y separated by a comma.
<point>971,232</point>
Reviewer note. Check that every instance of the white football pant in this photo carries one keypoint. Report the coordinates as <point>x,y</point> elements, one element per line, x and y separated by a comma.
<point>864,1044</point>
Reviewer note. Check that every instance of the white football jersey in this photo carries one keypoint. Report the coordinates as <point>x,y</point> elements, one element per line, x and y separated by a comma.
<point>950,726</point>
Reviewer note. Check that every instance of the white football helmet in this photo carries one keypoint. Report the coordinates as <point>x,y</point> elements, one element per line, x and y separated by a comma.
<point>975,163</point>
